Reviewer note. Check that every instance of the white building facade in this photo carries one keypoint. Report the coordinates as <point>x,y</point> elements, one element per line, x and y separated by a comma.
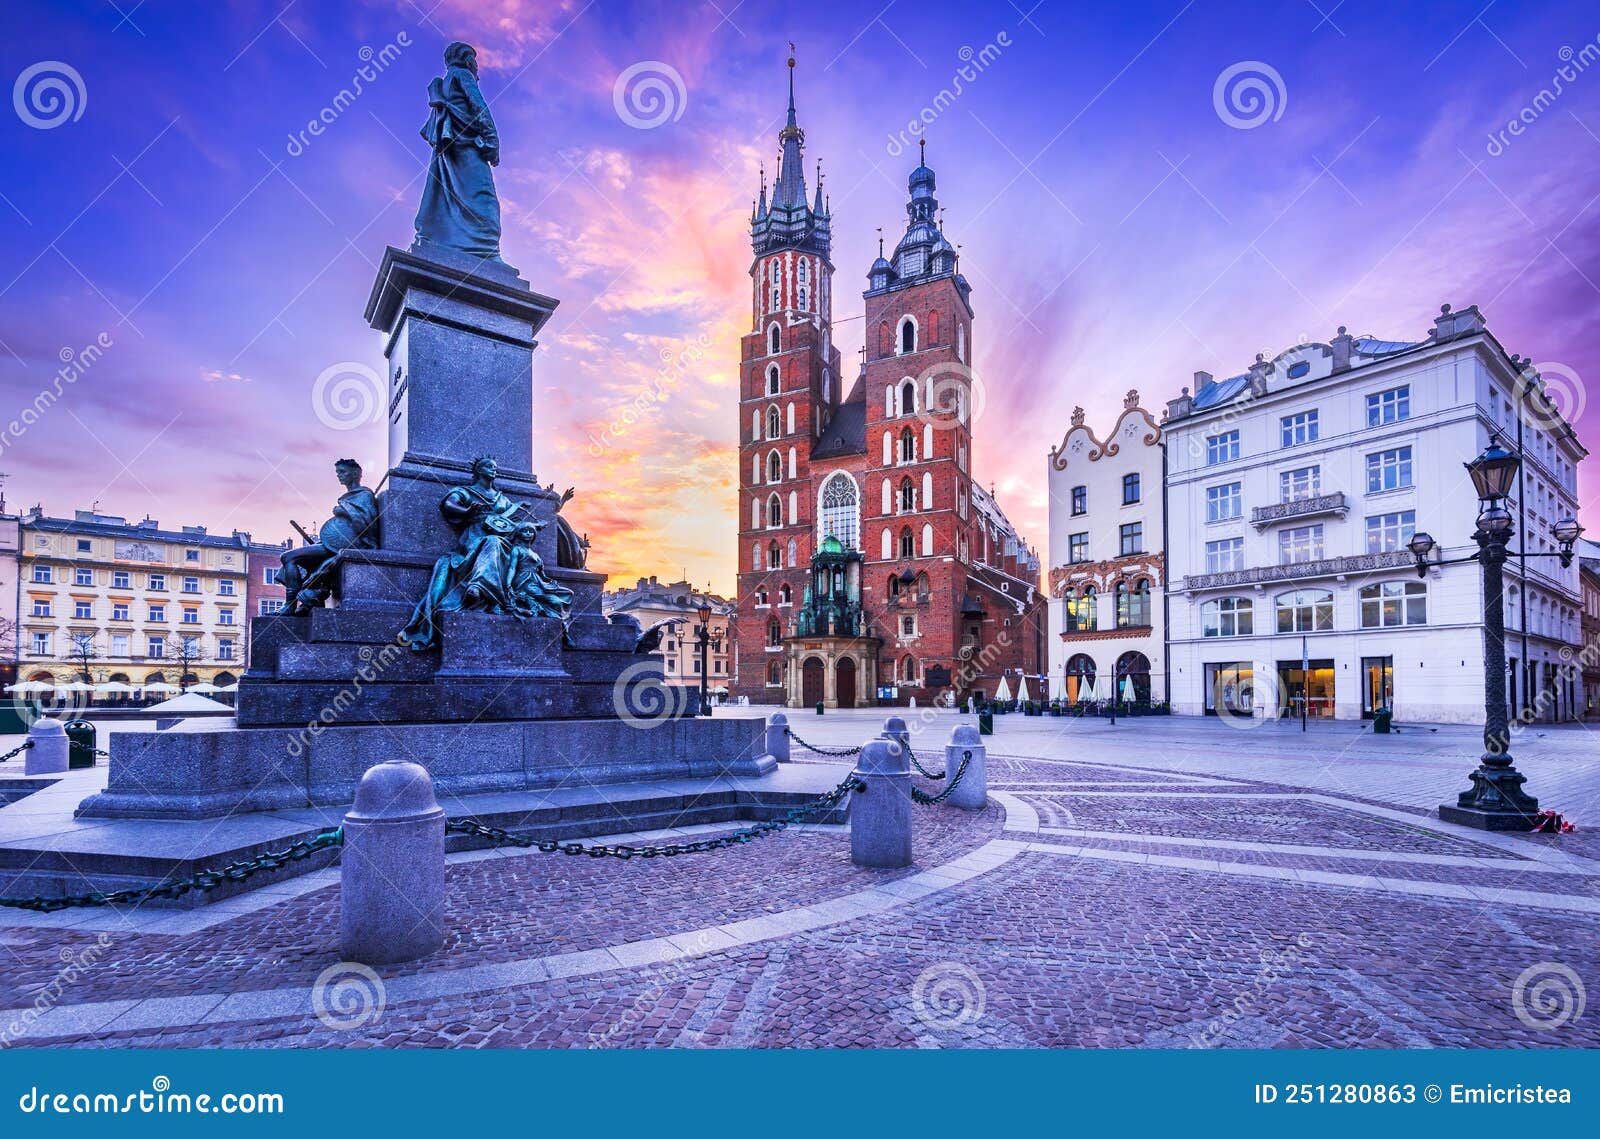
<point>1292,492</point>
<point>1107,568</point>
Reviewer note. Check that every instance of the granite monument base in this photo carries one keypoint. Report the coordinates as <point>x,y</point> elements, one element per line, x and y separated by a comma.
<point>217,769</point>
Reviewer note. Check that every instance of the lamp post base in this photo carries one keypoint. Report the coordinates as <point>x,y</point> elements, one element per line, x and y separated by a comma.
<point>1495,802</point>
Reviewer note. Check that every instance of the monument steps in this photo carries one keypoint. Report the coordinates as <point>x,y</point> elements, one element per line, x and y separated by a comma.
<point>50,854</point>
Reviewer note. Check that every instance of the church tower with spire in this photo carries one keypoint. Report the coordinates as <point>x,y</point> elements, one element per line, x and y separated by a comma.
<point>788,395</point>
<point>874,568</point>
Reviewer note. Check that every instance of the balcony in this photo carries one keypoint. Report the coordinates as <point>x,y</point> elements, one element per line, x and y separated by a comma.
<point>1324,567</point>
<point>1263,516</point>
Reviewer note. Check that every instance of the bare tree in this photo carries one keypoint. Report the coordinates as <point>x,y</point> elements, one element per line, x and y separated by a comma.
<point>82,651</point>
<point>187,653</point>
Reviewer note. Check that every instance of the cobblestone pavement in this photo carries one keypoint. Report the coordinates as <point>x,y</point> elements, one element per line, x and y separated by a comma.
<point>1110,895</point>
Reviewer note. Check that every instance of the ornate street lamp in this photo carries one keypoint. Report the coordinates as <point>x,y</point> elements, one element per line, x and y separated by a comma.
<point>706,642</point>
<point>1496,800</point>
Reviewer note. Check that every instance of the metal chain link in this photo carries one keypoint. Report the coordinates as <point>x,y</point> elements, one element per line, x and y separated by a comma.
<point>920,796</point>
<point>502,837</point>
<point>203,880</point>
<point>917,763</point>
<point>837,752</point>
<point>16,751</point>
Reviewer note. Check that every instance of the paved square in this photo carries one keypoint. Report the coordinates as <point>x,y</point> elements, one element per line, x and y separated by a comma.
<point>1163,883</point>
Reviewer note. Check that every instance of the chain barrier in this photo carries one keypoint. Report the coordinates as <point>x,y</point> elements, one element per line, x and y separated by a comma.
<point>502,837</point>
<point>835,752</point>
<point>920,796</point>
<point>917,763</point>
<point>16,751</point>
<point>203,880</point>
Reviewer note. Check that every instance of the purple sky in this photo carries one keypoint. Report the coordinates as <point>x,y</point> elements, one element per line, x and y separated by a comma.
<point>1118,231</point>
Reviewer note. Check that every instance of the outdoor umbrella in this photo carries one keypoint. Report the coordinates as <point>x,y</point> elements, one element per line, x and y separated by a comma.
<point>204,686</point>
<point>1058,687</point>
<point>1002,691</point>
<point>1022,689</point>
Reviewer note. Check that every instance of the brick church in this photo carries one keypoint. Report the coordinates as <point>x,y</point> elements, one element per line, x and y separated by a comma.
<point>873,567</point>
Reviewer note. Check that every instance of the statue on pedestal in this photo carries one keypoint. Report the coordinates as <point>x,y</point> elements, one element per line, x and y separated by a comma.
<point>307,575</point>
<point>493,568</point>
<point>460,209</point>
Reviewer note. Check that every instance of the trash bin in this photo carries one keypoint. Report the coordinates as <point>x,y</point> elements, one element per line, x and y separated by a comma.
<point>819,707</point>
<point>1382,718</point>
<point>80,743</point>
<point>985,721</point>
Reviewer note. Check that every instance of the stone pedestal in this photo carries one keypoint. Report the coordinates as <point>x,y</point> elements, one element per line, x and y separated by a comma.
<point>778,737</point>
<point>459,339</point>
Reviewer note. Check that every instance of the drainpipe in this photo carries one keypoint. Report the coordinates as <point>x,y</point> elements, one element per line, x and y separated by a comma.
<point>1166,591</point>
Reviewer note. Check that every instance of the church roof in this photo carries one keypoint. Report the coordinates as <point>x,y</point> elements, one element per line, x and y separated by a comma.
<point>846,433</point>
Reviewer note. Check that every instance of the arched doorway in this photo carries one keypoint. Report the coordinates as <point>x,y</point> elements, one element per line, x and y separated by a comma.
<point>811,681</point>
<point>844,682</point>
<point>1080,677</point>
<point>1135,667</point>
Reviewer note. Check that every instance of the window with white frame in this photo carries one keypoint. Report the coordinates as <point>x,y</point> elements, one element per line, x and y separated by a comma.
<point>1390,604</point>
<point>83,610</point>
<point>1299,484</point>
<point>41,607</point>
<point>83,576</point>
<point>1389,470</point>
<point>157,581</point>
<point>1224,502</point>
<point>1391,531</point>
<point>1222,448</point>
<point>43,575</point>
<point>156,647</point>
<point>41,644</point>
<point>1304,611</point>
<point>225,587</point>
<point>224,648</point>
<point>1227,617</point>
<point>121,579</point>
<point>1299,544</point>
<point>1298,428</point>
<point>1225,555</point>
<point>1389,406</point>
<point>841,510</point>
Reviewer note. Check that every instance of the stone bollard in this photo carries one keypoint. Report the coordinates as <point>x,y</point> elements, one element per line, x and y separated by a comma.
<point>392,871</point>
<point>973,791</point>
<point>51,752</point>
<point>894,728</point>
<point>778,737</point>
<point>880,817</point>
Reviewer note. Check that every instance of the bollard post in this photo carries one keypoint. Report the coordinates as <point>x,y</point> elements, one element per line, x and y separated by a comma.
<point>894,728</point>
<point>973,791</point>
<point>880,817</point>
<point>392,871</point>
<point>778,737</point>
<point>51,751</point>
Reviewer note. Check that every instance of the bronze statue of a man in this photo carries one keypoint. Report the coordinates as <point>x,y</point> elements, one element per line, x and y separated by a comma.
<point>460,209</point>
<point>493,567</point>
<point>307,573</point>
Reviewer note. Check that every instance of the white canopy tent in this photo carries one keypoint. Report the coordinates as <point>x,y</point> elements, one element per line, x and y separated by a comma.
<point>1002,691</point>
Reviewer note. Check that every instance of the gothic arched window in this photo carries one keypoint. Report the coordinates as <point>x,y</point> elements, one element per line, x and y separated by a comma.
<point>908,543</point>
<point>774,467</point>
<point>908,398</point>
<point>774,344</point>
<point>908,335</point>
<point>908,496</point>
<point>841,510</point>
<point>774,511</point>
<point>774,378</point>
<point>774,423</point>
<point>908,446</point>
